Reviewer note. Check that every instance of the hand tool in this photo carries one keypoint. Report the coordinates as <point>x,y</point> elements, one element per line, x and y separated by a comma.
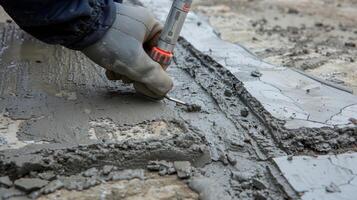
<point>163,52</point>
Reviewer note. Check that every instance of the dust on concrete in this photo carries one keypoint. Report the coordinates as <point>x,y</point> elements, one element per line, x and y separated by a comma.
<point>316,36</point>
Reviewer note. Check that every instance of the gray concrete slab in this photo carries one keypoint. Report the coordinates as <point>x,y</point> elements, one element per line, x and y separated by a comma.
<point>321,177</point>
<point>60,115</point>
<point>282,91</point>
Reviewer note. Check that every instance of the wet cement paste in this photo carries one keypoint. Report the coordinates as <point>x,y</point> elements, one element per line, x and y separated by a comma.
<point>75,130</point>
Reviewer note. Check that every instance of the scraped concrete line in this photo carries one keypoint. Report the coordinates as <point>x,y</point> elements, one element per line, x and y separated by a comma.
<point>322,177</point>
<point>300,101</point>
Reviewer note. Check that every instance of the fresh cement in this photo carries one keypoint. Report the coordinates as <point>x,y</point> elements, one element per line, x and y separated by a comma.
<point>79,123</point>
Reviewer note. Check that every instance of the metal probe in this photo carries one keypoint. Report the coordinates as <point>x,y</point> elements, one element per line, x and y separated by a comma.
<point>163,52</point>
<point>190,107</point>
<point>177,101</point>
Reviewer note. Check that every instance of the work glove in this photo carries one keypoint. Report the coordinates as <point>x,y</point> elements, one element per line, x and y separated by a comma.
<point>121,51</point>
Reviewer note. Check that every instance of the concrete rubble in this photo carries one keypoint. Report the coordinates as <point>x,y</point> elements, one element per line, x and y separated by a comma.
<point>66,131</point>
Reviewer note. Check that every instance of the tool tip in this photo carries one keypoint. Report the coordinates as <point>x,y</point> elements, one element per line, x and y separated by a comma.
<point>193,108</point>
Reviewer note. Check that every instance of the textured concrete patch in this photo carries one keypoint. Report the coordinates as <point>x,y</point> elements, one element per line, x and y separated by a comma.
<point>153,187</point>
<point>8,134</point>
<point>106,129</point>
<point>321,177</point>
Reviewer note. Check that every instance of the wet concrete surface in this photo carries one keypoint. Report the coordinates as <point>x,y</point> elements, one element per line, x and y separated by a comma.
<point>321,177</point>
<point>287,94</point>
<point>73,119</point>
<point>65,123</point>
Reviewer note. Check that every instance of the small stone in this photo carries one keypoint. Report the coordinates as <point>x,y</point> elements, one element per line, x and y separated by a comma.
<point>199,23</point>
<point>183,169</point>
<point>290,157</point>
<point>91,172</point>
<point>49,176</point>
<point>319,24</point>
<point>153,166</point>
<point>163,172</point>
<point>193,108</point>
<point>223,158</point>
<point>52,187</point>
<point>244,112</point>
<point>231,159</point>
<point>353,120</point>
<point>256,74</point>
<point>292,11</point>
<point>332,188</point>
<point>127,174</point>
<point>247,140</point>
<point>6,193</point>
<point>30,184</point>
<point>259,196</point>
<point>240,176</point>
<point>227,93</point>
<point>259,184</point>
<point>5,181</point>
<point>350,44</point>
<point>108,168</point>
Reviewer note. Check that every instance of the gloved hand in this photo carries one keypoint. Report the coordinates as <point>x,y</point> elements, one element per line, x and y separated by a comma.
<point>121,51</point>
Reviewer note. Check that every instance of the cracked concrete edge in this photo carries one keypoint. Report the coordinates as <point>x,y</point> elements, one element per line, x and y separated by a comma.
<point>241,63</point>
<point>282,182</point>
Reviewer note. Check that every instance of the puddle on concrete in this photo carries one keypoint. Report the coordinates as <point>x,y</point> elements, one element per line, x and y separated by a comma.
<point>106,129</point>
<point>154,187</point>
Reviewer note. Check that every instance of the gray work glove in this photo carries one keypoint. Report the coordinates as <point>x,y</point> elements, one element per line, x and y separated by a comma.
<point>121,51</point>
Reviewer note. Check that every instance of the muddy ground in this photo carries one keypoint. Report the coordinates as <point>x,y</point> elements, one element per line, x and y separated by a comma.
<point>319,36</point>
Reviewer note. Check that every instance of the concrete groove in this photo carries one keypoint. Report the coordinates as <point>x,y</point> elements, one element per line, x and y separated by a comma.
<point>259,147</point>
<point>237,84</point>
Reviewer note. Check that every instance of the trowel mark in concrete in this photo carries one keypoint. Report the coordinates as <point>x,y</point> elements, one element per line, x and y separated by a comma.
<point>8,134</point>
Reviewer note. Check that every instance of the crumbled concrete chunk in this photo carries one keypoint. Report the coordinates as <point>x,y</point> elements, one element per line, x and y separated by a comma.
<point>183,168</point>
<point>108,168</point>
<point>127,174</point>
<point>241,176</point>
<point>332,188</point>
<point>231,159</point>
<point>259,184</point>
<point>91,172</point>
<point>30,184</point>
<point>256,74</point>
<point>6,193</point>
<point>163,167</point>
<point>5,181</point>
<point>244,112</point>
<point>52,186</point>
<point>49,176</point>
